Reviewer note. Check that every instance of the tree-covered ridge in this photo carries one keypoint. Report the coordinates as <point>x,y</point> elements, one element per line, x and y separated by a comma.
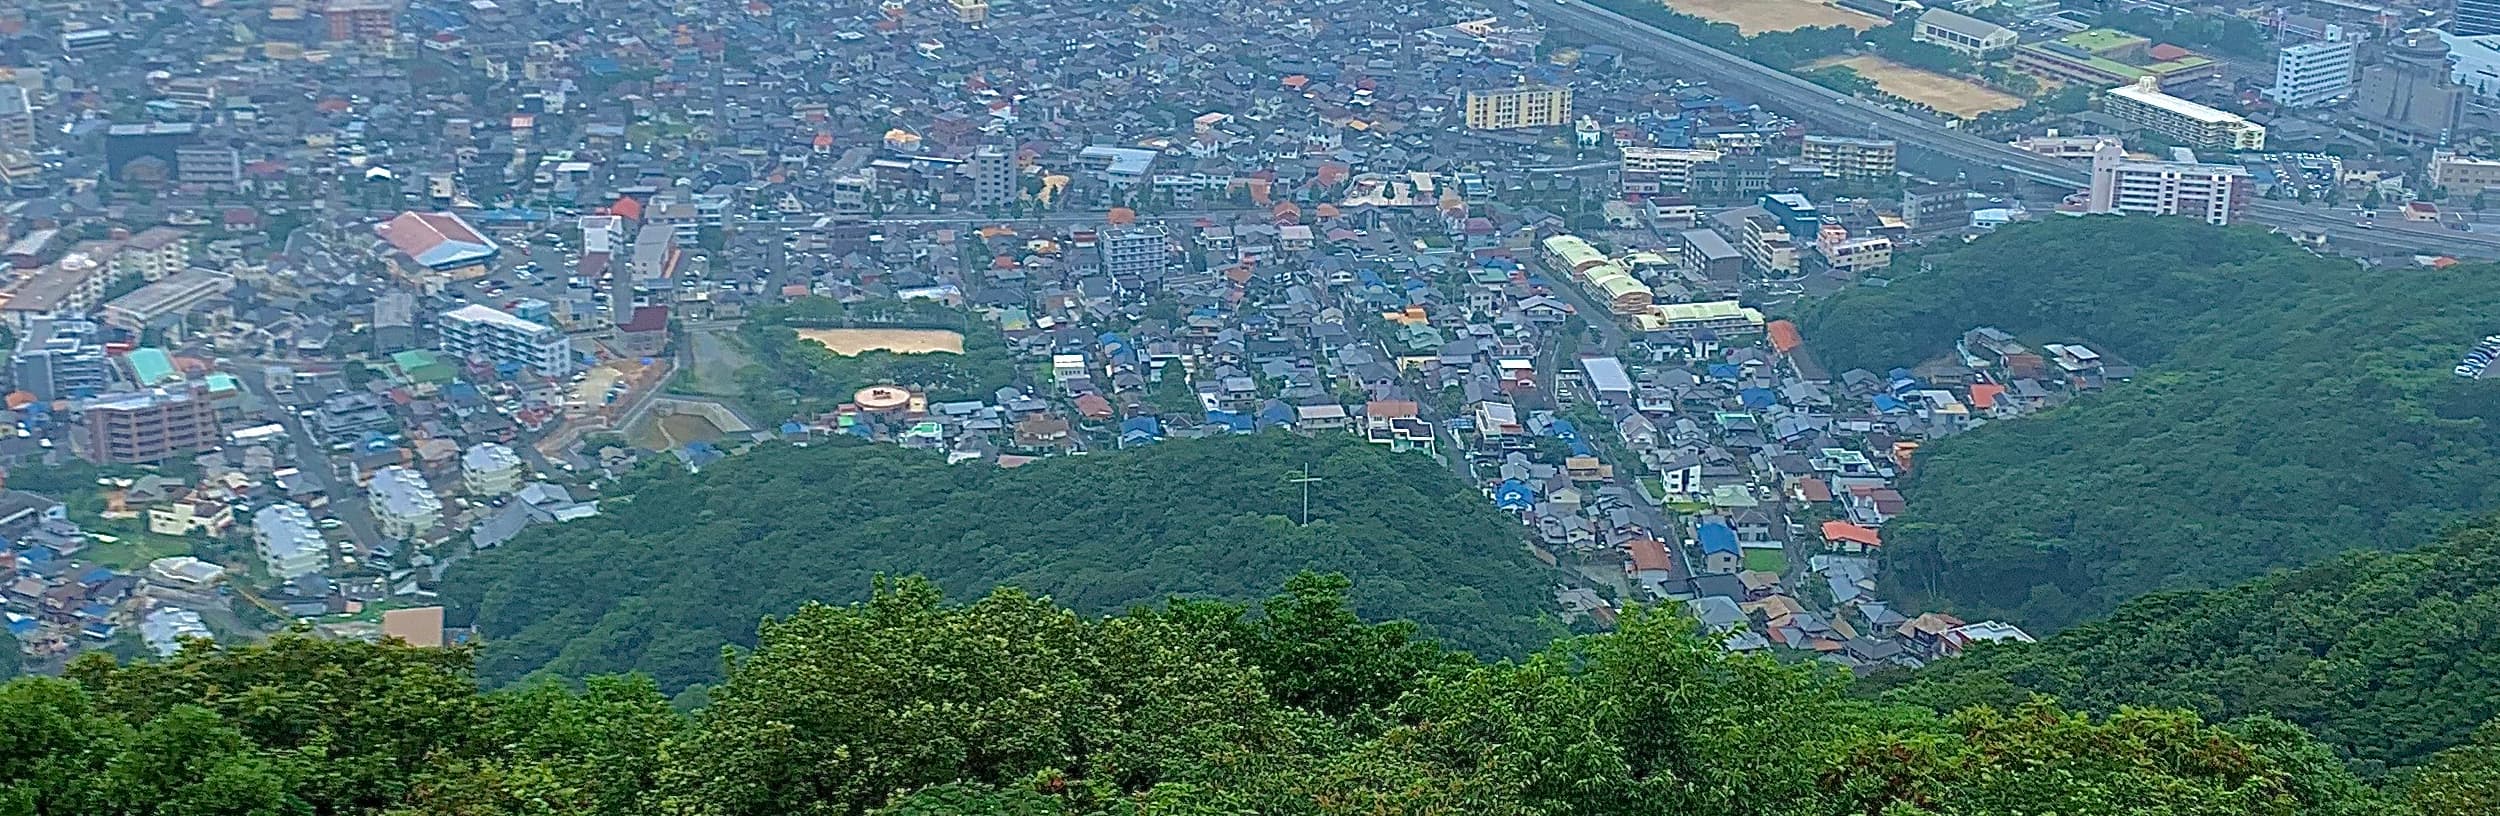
<point>2291,407</point>
<point>2385,657</point>
<point>907,705</point>
<point>683,564</point>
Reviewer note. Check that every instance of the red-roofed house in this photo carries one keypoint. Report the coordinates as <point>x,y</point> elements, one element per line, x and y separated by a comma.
<point>644,333</point>
<point>1842,536</point>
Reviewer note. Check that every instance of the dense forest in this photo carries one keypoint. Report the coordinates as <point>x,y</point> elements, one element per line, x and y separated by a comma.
<point>2291,407</point>
<point>907,705</point>
<point>677,565</point>
<point>2385,657</point>
<point>792,376</point>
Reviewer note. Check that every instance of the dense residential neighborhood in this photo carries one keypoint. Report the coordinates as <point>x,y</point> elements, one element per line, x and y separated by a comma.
<point>308,299</point>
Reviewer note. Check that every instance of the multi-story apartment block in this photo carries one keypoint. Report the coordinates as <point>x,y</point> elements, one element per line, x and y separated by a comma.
<point>2308,75</point>
<point>17,117</point>
<point>1844,157</point>
<point>1654,170</point>
<point>2213,192</point>
<point>1527,106</point>
<point>486,333</point>
<point>288,542</point>
<point>2144,105</point>
<point>404,506</point>
<point>1138,251</point>
<point>2464,176</point>
<point>149,427</point>
<point>489,469</point>
<point>993,177</point>
<point>59,359</point>
<point>1768,247</point>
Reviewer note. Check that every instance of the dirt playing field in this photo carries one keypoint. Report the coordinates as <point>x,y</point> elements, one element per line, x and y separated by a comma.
<point>1959,97</point>
<point>1756,16</point>
<point>900,341</point>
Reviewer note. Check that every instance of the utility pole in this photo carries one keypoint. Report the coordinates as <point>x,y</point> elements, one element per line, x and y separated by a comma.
<point>1305,481</point>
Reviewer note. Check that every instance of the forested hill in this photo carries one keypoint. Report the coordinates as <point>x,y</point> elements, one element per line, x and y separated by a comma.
<point>2385,657</point>
<point>2291,407</point>
<point>906,705</point>
<point>681,564</point>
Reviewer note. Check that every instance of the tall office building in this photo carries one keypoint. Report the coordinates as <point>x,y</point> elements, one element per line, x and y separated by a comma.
<point>2213,192</point>
<point>993,177</point>
<point>2476,18</point>
<point>490,334</point>
<point>1527,106</point>
<point>2308,75</point>
<point>2410,96</point>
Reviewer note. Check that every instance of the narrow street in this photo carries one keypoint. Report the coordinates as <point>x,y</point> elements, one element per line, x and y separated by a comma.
<point>312,457</point>
<point>1613,339</point>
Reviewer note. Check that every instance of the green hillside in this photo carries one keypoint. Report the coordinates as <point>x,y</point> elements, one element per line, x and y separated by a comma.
<point>681,564</point>
<point>911,706</point>
<point>2385,657</point>
<point>2292,407</point>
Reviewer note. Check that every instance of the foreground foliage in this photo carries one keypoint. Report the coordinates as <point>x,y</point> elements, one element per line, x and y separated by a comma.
<point>906,705</point>
<point>678,565</point>
<point>2386,657</point>
<point>2291,407</point>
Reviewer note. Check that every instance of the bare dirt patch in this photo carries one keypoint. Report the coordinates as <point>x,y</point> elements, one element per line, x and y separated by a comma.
<point>848,342</point>
<point>1953,95</point>
<point>1757,16</point>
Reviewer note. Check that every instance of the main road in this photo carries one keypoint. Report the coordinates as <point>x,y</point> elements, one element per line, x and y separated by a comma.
<point>1978,158</point>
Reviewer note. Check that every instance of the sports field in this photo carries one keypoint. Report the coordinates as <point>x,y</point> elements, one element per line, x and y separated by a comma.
<point>1953,95</point>
<point>1756,16</point>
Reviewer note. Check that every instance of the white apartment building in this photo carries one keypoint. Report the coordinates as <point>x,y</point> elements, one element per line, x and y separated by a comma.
<point>1135,251</point>
<point>2312,74</point>
<point>1653,170</point>
<point>489,469</point>
<point>2190,123</point>
<point>289,545</point>
<point>2213,192</point>
<point>487,333</point>
<point>403,504</point>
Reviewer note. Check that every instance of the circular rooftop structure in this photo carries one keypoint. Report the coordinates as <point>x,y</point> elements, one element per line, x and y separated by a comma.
<point>882,398</point>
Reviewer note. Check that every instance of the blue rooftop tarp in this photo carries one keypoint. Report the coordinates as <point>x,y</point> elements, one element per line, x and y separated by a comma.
<point>1716,537</point>
<point>1513,494</point>
<point>1725,371</point>
<point>1758,397</point>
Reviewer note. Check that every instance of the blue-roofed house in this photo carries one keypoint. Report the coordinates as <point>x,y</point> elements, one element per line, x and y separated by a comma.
<point>1758,398</point>
<point>1140,430</point>
<point>1233,421</point>
<point>1726,371</point>
<point>1275,414</point>
<point>1720,554</point>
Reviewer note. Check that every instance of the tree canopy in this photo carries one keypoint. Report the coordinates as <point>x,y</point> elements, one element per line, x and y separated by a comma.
<point>677,565</point>
<point>905,704</point>
<point>2291,407</point>
<point>2385,657</point>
